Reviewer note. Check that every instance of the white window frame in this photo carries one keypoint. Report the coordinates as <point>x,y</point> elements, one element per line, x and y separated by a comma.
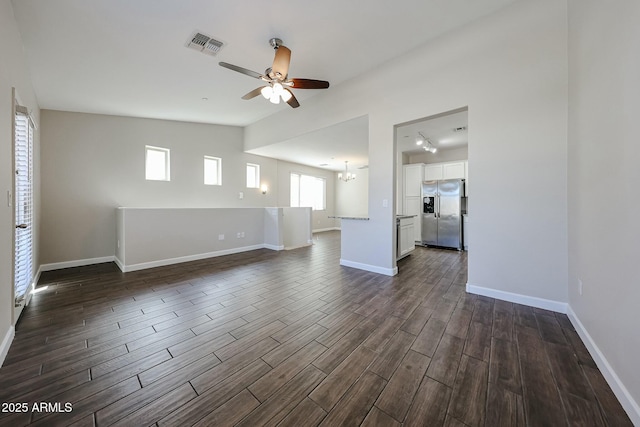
<point>256,183</point>
<point>218,177</point>
<point>167,163</point>
<point>295,198</point>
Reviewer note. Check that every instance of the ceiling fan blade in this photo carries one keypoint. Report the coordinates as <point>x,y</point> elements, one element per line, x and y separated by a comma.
<point>293,102</point>
<point>309,84</point>
<point>281,62</point>
<point>249,73</point>
<point>253,93</point>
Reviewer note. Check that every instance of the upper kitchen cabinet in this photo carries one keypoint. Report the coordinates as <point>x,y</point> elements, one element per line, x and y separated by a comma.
<point>413,180</point>
<point>433,172</point>
<point>449,170</point>
<point>453,170</point>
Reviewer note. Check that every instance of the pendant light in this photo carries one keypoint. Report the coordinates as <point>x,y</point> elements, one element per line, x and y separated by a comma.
<point>346,176</point>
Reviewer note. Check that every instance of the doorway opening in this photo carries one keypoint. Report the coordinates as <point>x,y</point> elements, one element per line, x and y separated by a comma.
<point>433,150</point>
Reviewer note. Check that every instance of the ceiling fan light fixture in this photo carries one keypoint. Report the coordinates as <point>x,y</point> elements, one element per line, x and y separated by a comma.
<point>286,95</point>
<point>267,91</point>
<point>276,77</point>
<point>277,88</point>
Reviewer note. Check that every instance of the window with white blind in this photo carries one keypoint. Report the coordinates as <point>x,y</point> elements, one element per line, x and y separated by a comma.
<point>212,170</point>
<point>308,191</point>
<point>157,164</point>
<point>23,202</point>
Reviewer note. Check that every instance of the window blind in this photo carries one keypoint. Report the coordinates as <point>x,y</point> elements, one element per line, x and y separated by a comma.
<point>23,201</point>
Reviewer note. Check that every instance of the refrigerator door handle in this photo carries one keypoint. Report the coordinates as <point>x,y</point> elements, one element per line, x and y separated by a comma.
<point>438,208</point>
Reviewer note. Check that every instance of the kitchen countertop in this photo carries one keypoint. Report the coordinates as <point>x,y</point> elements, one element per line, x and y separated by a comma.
<point>358,218</point>
<point>405,216</point>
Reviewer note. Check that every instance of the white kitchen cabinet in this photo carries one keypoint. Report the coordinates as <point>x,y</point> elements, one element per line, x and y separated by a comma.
<point>413,180</point>
<point>453,170</point>
<point>433,172</point>
<point>413,206</point>
<point>406,243</point>
<point>449,170</point>
<point>412,196</point>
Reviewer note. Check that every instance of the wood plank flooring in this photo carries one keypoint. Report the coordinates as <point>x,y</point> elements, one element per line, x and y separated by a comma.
<point>293,339</point>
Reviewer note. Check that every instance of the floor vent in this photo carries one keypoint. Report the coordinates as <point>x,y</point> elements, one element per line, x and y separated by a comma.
<point>205,44</point>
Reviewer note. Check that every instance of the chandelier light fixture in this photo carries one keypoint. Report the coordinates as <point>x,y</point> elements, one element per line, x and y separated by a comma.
<point>421,139</point>
<point>346,176</point>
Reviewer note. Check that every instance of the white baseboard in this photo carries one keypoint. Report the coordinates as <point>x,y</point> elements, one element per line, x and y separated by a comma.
<point>119,263</point>
<point>618,388</point>
<point>304,245</point>
<point>274,247</point>
<point>196,257</point>
<point>321,230</point>
<point>76,263</point>
<point>557,306</point>
<point>372,268</point>
<point>6,343</point>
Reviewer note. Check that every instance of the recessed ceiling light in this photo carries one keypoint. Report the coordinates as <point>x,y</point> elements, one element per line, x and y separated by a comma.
<point>205,99</point>
<point>324,164</point>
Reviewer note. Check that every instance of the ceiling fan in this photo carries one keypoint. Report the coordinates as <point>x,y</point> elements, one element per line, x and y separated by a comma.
<point>279,84</point>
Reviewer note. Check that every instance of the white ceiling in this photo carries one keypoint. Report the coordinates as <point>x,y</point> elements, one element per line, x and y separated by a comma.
<point>125,57</point>
<point>439,130</point>
<point>326,148</point>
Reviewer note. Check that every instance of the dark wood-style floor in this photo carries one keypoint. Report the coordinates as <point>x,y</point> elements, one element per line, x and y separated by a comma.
<point>293,339</point>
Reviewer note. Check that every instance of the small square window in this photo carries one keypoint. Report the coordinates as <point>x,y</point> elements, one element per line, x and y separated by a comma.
<point>157,163</point>
<point>212,170</point>
<point>253,175</point>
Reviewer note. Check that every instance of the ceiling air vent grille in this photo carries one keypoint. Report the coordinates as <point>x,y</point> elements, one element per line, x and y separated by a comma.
<point>205,44</point>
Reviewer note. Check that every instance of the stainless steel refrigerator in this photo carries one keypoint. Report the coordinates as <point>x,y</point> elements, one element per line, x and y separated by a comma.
<point>442,213</point>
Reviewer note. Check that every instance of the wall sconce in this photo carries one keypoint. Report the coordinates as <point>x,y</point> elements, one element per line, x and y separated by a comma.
<point>264,188</point>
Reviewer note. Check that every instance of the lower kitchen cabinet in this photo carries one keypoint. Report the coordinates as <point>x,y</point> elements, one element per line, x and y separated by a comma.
<point>406,242</point>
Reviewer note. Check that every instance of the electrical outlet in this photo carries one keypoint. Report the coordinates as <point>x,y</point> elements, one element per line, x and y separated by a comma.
<point>238,235</point>
<point>385,203</point>
<point>9,198</point>
<point>220,236</point>
<point>580,286</point>
<point>241,195</point>
<point>242,234</point>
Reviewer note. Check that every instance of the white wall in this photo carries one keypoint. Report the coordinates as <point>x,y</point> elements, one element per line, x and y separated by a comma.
<point>152,237</point>
<point>13,73</point>
<point>510,69</point>
<point>95,163</point>
<point>604,153</point>
<point>440,156</point>
<point>352,197</point>
<point>320,219</point>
